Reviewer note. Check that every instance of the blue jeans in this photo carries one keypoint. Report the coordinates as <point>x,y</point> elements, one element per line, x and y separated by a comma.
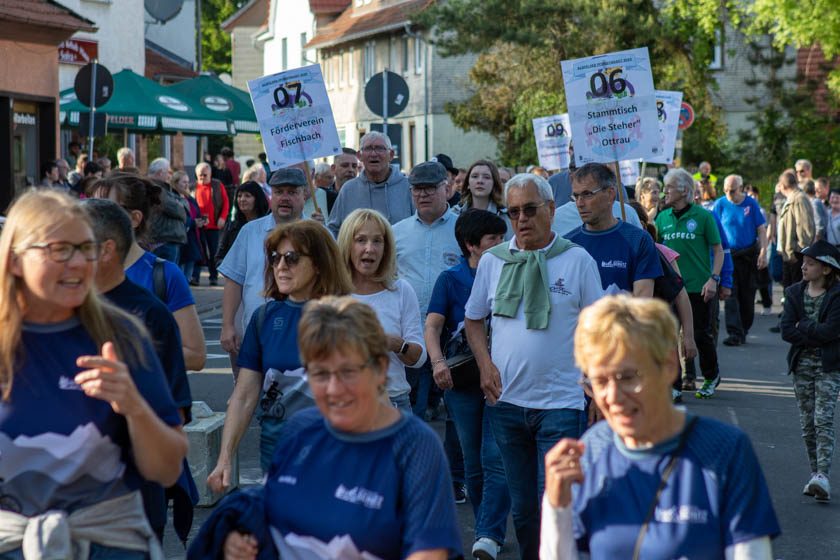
<point>485,473</point>
<point>169,251</point>
<point>97,552</point>
<point>402,403</point>
<point>524,436</point>
<point>420,380</point>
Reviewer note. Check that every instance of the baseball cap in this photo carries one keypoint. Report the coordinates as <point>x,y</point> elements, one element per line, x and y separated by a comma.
<point>446,162</point>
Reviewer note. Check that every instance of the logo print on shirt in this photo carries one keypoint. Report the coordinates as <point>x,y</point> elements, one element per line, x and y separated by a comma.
<point>559,287</point>
<point>615,263</point>
<point>67,384</point>
<point>681,514</point>
<point>359,496</point>
<point>279,323</point>
<point>691,225</point>
<point>746,210</point>
<point>451,259</point>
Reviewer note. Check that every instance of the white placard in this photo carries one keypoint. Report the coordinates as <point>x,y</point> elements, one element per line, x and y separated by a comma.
<point>612,107</point>
<point>295,117</point>
<point>629,169</point>
<point>553,135</point>
<point>668,115</point>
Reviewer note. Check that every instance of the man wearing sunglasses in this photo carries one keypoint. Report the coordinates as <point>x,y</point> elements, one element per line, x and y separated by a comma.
<point>380,186</point>
<point>533,288</point>
<point>244,265</point>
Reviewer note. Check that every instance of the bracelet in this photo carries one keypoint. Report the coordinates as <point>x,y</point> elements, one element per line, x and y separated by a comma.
<point>438,361</point>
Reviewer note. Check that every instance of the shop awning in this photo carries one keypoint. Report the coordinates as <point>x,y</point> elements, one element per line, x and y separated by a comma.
<point>141,105</point>
<point>215,95</point>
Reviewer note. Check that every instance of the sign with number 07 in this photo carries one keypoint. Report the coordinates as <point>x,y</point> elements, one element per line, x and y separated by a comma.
<point>295,116</point>
<point>612,107</point>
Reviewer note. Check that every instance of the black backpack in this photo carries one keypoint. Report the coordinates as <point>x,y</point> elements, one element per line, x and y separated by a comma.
<point>668,286</point>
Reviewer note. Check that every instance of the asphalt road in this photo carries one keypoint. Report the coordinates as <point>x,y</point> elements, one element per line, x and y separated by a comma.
<point>755,395</point>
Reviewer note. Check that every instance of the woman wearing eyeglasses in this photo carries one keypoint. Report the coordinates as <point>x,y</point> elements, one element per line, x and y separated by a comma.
<point>85,412</point>
<point>652,481</point>
<point>354,468</point>
<point>304,264</point>
<point>484,190</point>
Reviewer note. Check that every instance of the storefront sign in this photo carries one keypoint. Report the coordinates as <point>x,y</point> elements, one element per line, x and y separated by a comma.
<point>295,117</point>
<point>553,135</point>
<point>25,119</point>
<point>612,107</point>
<point>78,51</point>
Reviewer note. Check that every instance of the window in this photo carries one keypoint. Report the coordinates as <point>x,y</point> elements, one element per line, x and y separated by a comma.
<point>404,52</point>
<point>418,55</point>
<point>284,54</point>
<point>717,56</point>
<point>351,66</point>
<point>341,78</point>
<point>370,60</point>
<point>303,41</point>
<point>342,135</point>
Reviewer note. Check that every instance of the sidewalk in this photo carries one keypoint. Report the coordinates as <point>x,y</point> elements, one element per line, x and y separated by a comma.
<point>208,299</point>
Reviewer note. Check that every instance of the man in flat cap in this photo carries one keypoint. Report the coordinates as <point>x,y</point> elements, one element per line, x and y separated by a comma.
<point>244,265</point>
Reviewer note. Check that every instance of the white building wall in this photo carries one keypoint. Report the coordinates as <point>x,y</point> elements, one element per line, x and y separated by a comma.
<point>288,20</point>
<point>177,35</point>
<point>120,35</point>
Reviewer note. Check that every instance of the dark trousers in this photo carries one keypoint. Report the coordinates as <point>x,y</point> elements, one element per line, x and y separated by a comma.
<point>764,284</point>
<point>209,240</point>
<point>739,308</point>
<point>792,271</point>
<point>704,337</point>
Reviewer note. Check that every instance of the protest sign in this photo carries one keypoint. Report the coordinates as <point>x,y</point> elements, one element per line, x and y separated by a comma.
<point>668,115</point>
<point>295,117</point>
<point>553,135</point>
<point>612,107</point>
<point>629,172</point>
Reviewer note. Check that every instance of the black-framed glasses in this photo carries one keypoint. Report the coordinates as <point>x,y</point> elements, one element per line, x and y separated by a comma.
<point>348,375</point>
<point>63,251</point>
<point>424,190</point>
<point>375,149</point>
<point>292,258</point>
<point>586,195</point>
<point>529,210</point>
<point>629,382</point>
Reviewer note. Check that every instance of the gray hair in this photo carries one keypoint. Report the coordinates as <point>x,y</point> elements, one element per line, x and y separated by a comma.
<point>158,165</point>
<point>253,173</point>
<point>323,169</point>
<point>201,165</point>
<point>374,135</point>
<point>123,152</point>
<point>681,179</point>
<point>109,221</point>
<point>736,179</point>
<point>804,163</point>
<point>522,180</point>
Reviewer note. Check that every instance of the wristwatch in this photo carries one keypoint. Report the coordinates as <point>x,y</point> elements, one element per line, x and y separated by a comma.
<point>404,348</point>
<point>716,278</point>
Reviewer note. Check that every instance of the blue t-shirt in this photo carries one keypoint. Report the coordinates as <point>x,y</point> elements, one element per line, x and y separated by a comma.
<point>273,344</point>
<point>624,254</point>
<point>451,292</point>
<point>715,497</point>
<point>739,221</point>
<point>388,490</point>
<point>178,294</point>
<point>78,453</point>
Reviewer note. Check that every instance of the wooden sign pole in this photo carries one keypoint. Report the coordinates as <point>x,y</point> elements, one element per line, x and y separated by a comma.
<point>620,191</point>
<point>311,186</point>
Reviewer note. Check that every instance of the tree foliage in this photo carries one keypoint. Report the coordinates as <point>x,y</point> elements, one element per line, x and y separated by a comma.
<point>520,44</point>
<point>215,41</point>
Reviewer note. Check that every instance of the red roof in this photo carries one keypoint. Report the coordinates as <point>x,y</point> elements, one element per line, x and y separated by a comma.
<point>158,66</point>
<point>352,24</point>
<point>44,13</point>
<point>811,65</point>
<point>328,6</point>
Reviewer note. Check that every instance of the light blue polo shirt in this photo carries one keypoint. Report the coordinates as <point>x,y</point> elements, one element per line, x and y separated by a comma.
<point>424,251</point>
<point>245,264</point>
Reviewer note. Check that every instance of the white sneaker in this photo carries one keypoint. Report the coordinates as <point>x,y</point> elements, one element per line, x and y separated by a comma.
<point>820,487</point>
<point>485,548</point>
<point>807,490</point>
<point>766,311</point>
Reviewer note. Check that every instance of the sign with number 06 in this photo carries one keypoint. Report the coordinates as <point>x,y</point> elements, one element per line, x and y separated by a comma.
<point>612,107</point>
<point>295,117</point>
<point>553,135</point>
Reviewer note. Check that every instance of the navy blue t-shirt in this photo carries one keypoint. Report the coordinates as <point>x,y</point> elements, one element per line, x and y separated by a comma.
<point>624,254</point>
<point>388,490</point>
<point>274,344</point>
<point>451,292</point>
<point>60,448</point>
<point>178,294</point>
<point>715,497</point>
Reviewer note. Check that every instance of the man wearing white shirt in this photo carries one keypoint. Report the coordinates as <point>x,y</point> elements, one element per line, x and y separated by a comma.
<point>530,378</point>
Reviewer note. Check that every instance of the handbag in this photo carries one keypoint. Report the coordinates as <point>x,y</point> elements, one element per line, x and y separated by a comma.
<point>461,362</point>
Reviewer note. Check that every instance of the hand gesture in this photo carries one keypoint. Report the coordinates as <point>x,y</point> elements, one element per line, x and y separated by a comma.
<point>562,468</point>
<point>108,379</point>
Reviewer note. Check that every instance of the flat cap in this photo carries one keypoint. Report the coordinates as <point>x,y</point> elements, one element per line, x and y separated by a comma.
<point>292,177</point>
<point>427,173</point>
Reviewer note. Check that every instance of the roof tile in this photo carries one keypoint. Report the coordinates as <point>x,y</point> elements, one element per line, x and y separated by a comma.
<point>45,13</point>
<point>353,24</point>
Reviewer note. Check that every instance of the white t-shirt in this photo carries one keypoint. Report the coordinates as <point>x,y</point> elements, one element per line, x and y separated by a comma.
<point>399,314</point>
<point>538,366</point>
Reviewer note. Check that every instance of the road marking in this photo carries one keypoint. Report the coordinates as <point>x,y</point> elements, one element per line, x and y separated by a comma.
<point>212,343</point>
<point>212,321</point>
<point>733,417</point>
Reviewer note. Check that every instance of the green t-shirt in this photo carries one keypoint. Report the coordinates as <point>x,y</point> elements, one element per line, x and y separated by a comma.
<point>692,235</point>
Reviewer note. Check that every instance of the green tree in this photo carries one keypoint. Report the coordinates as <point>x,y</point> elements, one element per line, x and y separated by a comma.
<point>215,41</point>
<point>520,44</point>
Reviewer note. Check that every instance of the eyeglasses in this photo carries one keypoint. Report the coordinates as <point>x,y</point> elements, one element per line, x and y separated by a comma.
<point>424,190</point>
<point>585,195</point>
<point>629,382</point>
<point>801,170</point>
<point>348,375</point>
<point>529,210</point>
<point>63,251</point>
<point>292,258</point>
<point>375,149</point>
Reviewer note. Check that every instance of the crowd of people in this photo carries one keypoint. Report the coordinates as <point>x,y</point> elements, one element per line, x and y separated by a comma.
<point>553,323</point>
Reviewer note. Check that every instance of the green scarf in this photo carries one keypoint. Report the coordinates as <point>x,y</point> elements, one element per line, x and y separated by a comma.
<point>524,272</point>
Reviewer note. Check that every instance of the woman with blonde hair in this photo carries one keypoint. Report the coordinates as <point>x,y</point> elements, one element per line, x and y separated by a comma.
<point>653,481</point>
<point>647,191</point>
<point>303,264</point>
<point>368,250</point>
<point>111,421</point>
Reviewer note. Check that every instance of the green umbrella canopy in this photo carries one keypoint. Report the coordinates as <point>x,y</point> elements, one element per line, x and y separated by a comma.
<point>224,100</point>
<point>143,105</point>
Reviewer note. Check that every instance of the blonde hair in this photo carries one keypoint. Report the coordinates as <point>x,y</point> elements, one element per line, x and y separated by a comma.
<point>34,216</point>
<point>646,184</point>
<point>387,271</point>
<point>617,326</point>
<point>340,324</point>
<point>253,173</point>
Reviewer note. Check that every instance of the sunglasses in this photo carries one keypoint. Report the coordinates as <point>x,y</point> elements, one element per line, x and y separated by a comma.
<point>292,258</point>
<point>529,210</point>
